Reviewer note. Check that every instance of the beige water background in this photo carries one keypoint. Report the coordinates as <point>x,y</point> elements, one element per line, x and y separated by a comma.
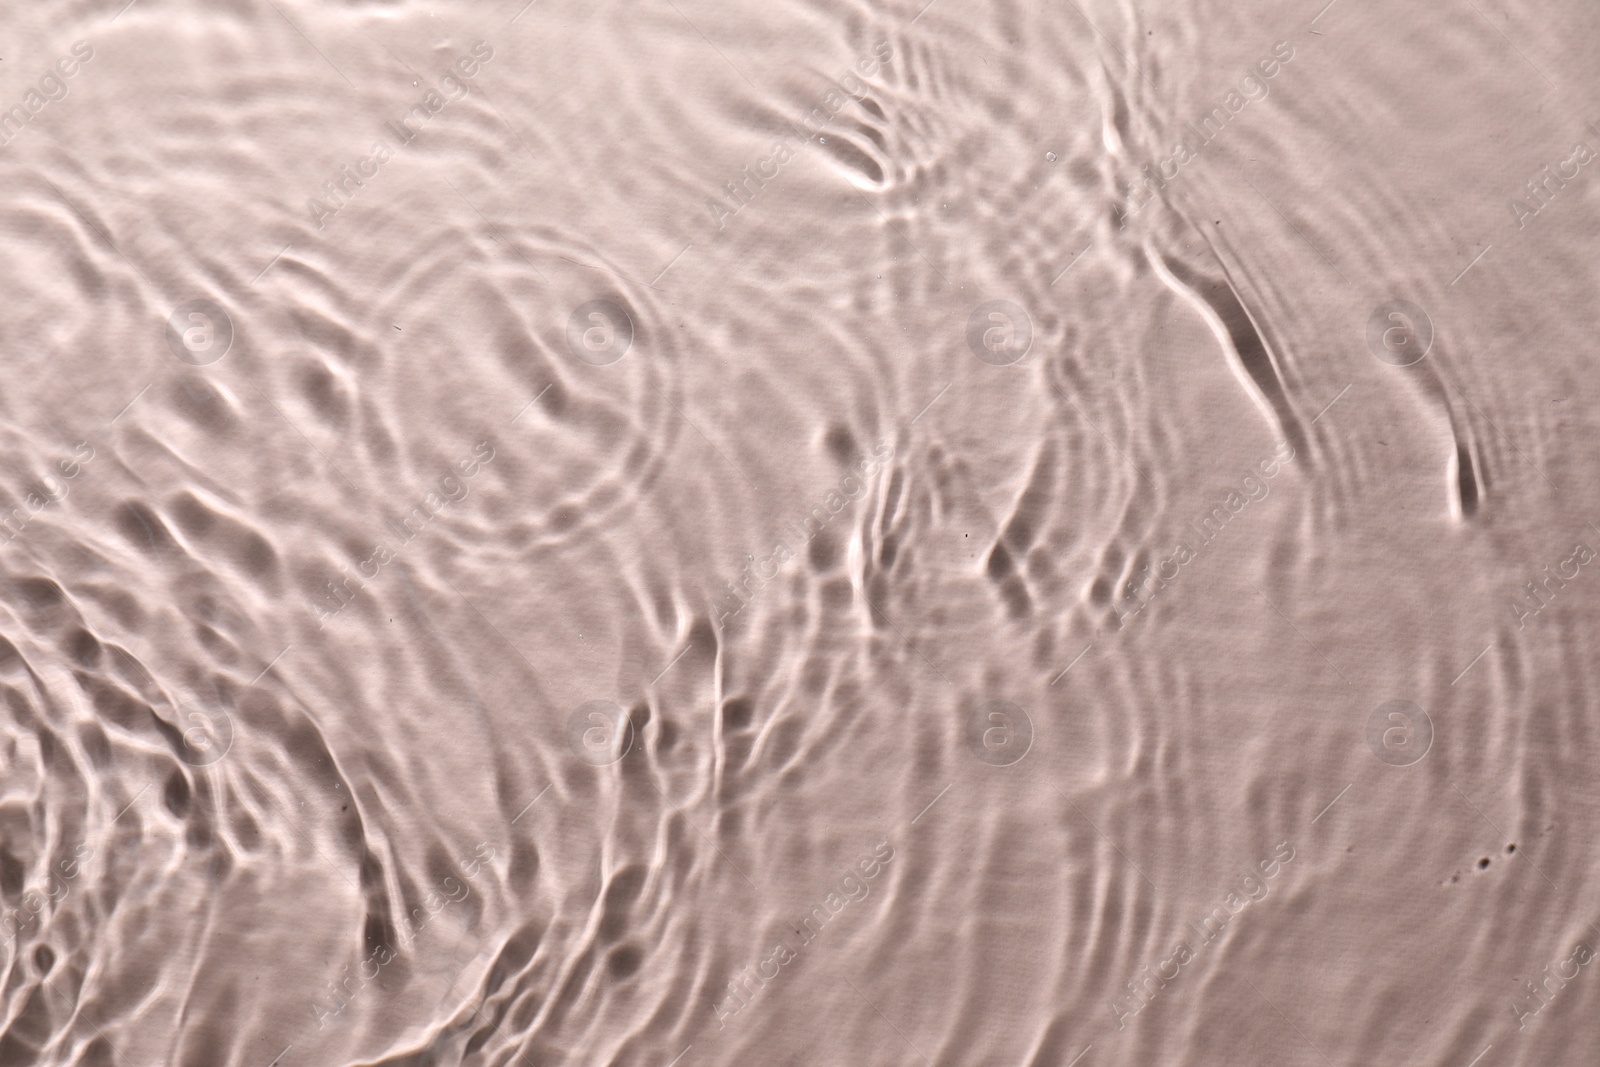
<point>799,533</point>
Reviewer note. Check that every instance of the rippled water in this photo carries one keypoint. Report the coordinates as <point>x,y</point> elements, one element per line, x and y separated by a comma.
<point>685,533</point>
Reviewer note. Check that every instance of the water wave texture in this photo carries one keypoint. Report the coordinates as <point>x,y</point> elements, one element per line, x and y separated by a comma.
<point>684,533</point>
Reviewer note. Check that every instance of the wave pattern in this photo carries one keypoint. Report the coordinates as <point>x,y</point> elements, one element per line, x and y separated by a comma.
<point>818,533</point>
